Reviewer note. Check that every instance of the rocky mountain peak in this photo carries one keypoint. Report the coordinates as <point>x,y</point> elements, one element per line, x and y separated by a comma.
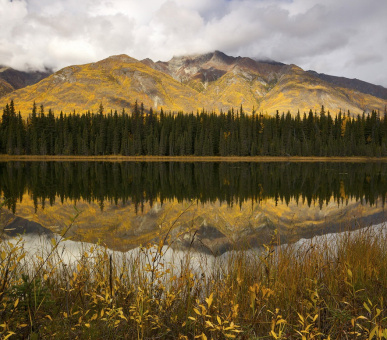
<point>206,60</point>
<point>122,58</point>
<point>219,57</point>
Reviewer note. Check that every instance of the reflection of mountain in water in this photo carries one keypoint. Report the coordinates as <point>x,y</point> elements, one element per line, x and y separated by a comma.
<point>208,227</point>
<point>210,206</point>
<point>15,225</point>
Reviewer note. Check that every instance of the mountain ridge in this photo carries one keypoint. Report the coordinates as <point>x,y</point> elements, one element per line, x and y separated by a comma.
<point>213,81</point>
<point>355,84</point>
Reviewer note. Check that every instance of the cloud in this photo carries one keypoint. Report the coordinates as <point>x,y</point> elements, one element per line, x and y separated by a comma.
<point>343,38</point>
<point>364,58</point>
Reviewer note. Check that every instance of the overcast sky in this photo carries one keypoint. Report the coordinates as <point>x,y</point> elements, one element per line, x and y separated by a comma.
<point>339,37</point>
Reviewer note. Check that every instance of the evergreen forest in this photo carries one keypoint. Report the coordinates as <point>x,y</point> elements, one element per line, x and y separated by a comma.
<point>233,133</point>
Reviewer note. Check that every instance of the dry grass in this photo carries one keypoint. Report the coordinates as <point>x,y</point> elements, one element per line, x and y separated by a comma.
<point>326,288</point>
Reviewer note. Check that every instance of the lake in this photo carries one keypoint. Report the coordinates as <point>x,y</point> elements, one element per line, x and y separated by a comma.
<point>210,206</point>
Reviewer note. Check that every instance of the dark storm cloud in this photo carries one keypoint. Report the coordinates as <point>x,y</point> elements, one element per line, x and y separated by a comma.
<point>346,37</point>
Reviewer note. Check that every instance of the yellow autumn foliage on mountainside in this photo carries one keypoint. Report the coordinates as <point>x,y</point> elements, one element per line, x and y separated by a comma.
<point>115,82</point>
<point>118,81</point>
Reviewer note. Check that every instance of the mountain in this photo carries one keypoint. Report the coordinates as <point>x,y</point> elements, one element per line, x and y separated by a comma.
<point>19,79</point>
<point>5,87</point>
<point>354,84</point>
<point>214,81</point>
<point>267,85</point>
<point>116,82</point>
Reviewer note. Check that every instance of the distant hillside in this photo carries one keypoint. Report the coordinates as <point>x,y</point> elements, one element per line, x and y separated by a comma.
<point>19,79</point>
<point>354,84</point>
<point>213,81</point>
<point>5,88</point>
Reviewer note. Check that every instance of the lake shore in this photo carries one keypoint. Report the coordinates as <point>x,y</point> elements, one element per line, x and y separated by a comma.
<point>118,158</point>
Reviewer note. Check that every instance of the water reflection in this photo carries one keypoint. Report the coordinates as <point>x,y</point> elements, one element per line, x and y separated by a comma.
<point>232,183</point>
<point>224,204</point>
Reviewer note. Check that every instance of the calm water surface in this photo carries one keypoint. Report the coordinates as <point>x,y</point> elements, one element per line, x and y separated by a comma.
<point>213,206</point>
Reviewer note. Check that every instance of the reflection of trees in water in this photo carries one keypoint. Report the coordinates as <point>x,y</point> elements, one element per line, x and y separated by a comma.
<point>234,183</point>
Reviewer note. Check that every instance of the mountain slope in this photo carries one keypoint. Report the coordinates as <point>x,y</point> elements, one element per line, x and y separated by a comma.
<point>116,82</point>
<point>5,87</point>
<point>297,89</point>
<point>224,81</point>
<point>19,79</point>
<point>267,86</point>
<point>213,81</point>
<point>354,84</point>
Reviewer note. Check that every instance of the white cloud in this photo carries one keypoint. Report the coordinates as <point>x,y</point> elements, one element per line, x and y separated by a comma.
<point>346,37</point>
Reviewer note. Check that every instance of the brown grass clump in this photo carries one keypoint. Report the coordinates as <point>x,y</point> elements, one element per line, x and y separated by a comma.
<point>326,288</point>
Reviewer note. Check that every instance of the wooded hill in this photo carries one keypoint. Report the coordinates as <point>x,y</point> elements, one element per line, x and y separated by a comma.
<point>231,133</point>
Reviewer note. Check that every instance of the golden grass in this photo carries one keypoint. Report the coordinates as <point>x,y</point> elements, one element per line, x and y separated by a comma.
<point>326,288</point>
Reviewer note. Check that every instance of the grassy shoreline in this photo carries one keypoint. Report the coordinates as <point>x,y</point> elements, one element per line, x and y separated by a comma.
<point>320,290</point>
<point>118,158</point>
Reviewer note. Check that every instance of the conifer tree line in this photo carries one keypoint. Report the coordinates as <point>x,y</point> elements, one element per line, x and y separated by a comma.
<point>232,183</point>
<point>232,133</point>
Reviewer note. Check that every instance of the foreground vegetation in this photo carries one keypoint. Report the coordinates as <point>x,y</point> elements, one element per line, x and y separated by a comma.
<point>145,132</point>
<point>323,289</point>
